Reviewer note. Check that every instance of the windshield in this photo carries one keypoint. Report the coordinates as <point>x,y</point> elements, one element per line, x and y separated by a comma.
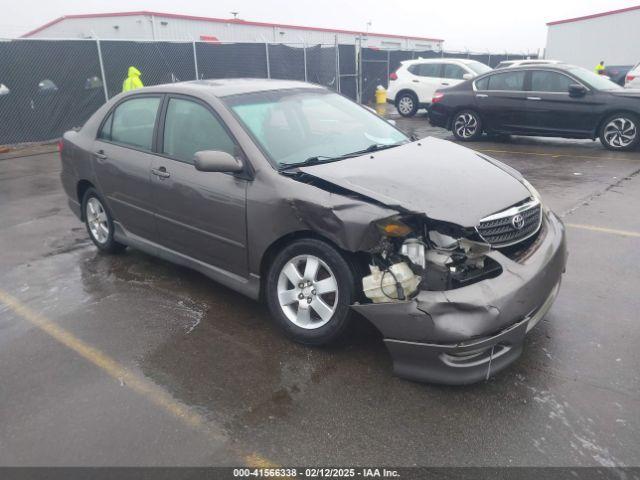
<point>294,126</point>
<point>599,82</point>
<point>478,67</point>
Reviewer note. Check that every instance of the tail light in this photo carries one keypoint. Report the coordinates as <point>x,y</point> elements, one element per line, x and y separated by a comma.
<point>60,145</point>
<point>393,76</point>
<point>437,97</point>
<point>631,78</point>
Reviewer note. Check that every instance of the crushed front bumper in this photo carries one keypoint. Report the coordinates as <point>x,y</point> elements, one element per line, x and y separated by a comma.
<point>465,335</point>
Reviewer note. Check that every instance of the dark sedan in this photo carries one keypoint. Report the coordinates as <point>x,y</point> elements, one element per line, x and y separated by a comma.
<point>547,100</point>
<point>291,193</point>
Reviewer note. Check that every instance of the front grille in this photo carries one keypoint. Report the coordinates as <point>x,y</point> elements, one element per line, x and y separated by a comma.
<point>500,230</point>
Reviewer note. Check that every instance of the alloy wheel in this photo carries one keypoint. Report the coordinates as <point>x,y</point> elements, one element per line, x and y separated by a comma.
<point>405,105</point>
<point>466,125</point>
<point>620,132</point>
<point>307,292</point>
<point>97,220</point>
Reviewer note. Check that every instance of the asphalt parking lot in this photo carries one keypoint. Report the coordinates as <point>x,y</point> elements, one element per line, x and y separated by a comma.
<point>129,360</point>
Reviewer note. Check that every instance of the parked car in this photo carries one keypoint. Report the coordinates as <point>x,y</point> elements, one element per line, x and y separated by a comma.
<point>289,192</point>
<point>524,63</point>
<point>632,79</point>
<point>550,100</point>
<point>618,73</point>
<point>412,85</point>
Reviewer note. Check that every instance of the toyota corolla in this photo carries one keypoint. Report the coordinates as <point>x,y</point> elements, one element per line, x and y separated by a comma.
<point>290,193</point>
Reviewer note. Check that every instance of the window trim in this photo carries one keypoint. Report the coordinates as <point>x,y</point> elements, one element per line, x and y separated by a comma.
<point>247,170</point>
<point>113,108</point>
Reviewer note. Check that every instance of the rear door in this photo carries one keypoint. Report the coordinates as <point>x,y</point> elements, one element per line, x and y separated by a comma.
<point>452,74</point>
<point>552,111</point>
<point>122,159</point>
<point>426,80</point>
<point>501,100</point>
<point>199,214</point>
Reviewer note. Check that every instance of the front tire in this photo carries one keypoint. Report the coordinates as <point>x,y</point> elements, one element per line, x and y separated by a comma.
<point>99,222</point>
<point>407,104</point>
<point>619,132</point>
<point>309,290</point>
<point>466,126</point>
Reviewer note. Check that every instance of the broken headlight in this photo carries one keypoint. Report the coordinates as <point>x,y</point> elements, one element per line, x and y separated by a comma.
<point>394,227</point>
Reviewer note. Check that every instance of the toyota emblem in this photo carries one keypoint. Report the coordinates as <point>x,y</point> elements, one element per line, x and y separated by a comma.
<point>518,222</point>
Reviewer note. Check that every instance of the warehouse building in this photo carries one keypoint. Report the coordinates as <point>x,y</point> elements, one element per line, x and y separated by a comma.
<point>167,26</point>
<point>612,36</point>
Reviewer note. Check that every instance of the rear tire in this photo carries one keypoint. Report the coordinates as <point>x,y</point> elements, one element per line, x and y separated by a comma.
<point>407,104</point>
<point>99,222</point>
<point>466,126</point>
<point>619,132</point>
<point>309,290</point>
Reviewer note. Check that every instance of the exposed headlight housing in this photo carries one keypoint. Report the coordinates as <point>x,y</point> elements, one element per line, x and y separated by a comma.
<point>394,227</point>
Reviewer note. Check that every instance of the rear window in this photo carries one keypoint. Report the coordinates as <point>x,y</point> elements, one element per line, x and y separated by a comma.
<point>132,123</point>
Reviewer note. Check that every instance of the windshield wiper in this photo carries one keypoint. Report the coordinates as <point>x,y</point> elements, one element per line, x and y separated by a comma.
<point>323,159</point>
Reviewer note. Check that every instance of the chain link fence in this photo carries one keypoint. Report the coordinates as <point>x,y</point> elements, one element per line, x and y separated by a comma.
<point>50,86</point>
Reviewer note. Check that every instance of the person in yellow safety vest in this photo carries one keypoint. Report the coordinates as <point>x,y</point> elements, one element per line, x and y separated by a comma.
<point>133,80</point>
<point>600,69</point>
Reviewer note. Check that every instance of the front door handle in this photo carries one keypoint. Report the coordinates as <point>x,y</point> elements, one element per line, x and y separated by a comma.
<point>415,81</point>
<point>444,83</point>
<point>100,155</point>
<point>482,95</point>
<point>534,98</point>
<point>160,172</point>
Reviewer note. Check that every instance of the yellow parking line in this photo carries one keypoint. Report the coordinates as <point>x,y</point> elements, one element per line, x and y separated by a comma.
<point>593,228</point>
<point>108,365</point>
<point>552,155</point>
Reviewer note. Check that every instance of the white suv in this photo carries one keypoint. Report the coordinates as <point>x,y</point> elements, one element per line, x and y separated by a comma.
<point>412,86</point>
<point>633,77</point>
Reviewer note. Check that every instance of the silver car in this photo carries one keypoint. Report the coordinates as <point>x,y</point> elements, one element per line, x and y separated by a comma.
<point>291,193</point>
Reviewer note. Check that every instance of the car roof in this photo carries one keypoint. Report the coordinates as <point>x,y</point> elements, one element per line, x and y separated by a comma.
<point>438,60</point>
<point>225,87</point>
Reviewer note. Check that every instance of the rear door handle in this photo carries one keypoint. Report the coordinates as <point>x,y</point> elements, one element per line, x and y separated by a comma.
<point>534,98</point>
<point>444,83</point>
<point>415,81</point>
<point>160,172</point>
<point>482,95</point>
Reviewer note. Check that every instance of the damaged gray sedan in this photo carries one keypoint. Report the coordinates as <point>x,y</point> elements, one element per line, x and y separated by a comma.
<point>291,193</point>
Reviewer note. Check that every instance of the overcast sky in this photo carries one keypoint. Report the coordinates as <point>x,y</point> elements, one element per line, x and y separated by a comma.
<point>477,25</point>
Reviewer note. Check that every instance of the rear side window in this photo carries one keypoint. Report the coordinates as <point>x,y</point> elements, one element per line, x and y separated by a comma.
<point>508,81</point>
<point>426,69</point>
<point>454,72</point>
<point>542,81</point>
<point>189,128</point>
<point>133,122</point>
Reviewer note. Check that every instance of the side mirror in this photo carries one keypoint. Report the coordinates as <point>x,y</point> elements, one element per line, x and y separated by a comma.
<point>467,76</point>
<point>576,90</point>
<point>216,161</point>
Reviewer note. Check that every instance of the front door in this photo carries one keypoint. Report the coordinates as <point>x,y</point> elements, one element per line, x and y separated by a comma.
<point>552,111</point>
<point>122,161</point>
<point>198,214</point>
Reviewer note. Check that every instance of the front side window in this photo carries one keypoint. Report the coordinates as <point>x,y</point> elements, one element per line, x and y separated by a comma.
<point>454,72</point>
<point>545,81</point>
<point>426,69</point>
<point>134,121</point>
<point>508,81</point>
<point>189,128</point>
<point>292,126</point>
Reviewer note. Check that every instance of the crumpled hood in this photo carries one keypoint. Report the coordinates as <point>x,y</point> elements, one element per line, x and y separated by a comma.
<point>439,178</point>
<point>134,72</point>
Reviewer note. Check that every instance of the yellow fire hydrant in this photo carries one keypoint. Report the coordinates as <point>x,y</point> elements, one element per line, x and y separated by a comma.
<point>381,95</point>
